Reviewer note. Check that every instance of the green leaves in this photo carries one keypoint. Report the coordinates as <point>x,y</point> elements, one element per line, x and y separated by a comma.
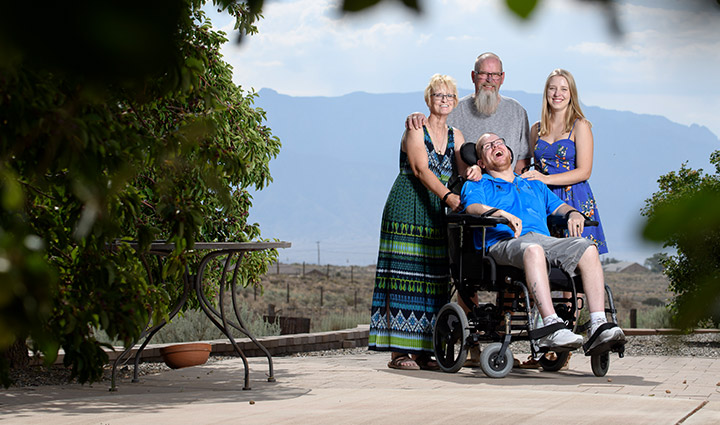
<point>522,8</point>
<point>683,215</point>
<point>90,157</point>
<point>11,193</point>
<point>358,5</point>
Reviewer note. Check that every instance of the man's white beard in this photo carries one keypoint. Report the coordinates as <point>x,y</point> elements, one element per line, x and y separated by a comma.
<point>486,102</point>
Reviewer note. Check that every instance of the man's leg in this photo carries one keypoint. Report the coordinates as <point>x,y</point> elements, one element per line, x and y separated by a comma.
<point>528,252</point>
<point>601,338</point>
<point>536,274</point>
<point>593,279</point>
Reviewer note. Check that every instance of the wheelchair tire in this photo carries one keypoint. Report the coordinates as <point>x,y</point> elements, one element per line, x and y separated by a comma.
<point>600,363</point>
<point>449,338</point>
<point>492,364</point>
<point>554,365</point>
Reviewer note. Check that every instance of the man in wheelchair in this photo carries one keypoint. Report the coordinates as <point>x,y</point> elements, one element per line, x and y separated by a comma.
<point>526,243</point>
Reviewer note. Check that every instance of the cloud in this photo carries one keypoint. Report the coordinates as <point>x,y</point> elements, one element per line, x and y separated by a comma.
<point>375,37</point>
<point>603,50</point>
<point>306,47</point>
<point>661,45</point>
<point>473,6</point>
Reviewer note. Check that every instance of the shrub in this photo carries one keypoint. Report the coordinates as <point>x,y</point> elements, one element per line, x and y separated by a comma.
<point>656,302</point>
<point>335,322</point>
<point>683,215</point>
<point>193,325</point>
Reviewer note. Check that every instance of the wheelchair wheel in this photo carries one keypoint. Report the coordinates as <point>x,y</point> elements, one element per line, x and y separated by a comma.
<point>600,363</point>
<point>493,364</point>
<point>556,364</point>
<point>449,336</point>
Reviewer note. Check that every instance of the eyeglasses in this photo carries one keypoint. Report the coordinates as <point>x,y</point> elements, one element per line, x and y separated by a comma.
<point>494,143</point>
<point>489,75</point>
<point>441,96</point>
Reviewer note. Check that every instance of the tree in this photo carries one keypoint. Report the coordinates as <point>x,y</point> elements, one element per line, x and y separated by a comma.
<point>683,215</point>
<point>655,263</point>
<point>119,122</point>
<point>610,260</point>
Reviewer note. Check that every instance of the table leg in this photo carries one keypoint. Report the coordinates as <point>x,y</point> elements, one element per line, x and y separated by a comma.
<point>150,332</point>
<point>212,313</point>
<point>241,328</point>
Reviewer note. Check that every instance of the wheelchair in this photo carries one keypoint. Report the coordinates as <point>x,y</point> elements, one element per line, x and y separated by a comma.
<point>510,317</point>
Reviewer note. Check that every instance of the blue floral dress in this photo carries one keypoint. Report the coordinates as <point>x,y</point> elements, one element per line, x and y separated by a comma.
<point>559,157</point>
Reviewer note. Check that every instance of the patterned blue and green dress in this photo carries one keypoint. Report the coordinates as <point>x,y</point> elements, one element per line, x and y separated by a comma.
<point>412,279</point>
<point>559,157</point>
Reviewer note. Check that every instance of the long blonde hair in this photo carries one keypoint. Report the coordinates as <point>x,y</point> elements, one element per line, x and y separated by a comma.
<point>574,111</point>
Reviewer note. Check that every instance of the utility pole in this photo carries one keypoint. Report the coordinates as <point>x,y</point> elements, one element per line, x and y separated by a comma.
<point>318,244</point>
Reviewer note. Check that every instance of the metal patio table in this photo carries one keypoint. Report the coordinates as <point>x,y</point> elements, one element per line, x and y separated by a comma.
<point>195,282</point>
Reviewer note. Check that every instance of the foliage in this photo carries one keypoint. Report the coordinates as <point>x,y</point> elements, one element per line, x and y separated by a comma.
<point>194,325</point>
<point>656,318</point>
<point>653,301</point>
<point>337,321</point>
<point>610,260</point>
<point>119,122</point>
<point>655,263</point>
<point>683,215</point>
<point>522,9</point>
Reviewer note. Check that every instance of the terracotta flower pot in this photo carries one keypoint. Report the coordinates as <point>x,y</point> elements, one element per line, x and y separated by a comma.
<point>185,355</point>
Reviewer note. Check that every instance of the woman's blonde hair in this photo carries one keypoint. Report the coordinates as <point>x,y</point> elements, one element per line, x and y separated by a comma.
<point>437,81</point>
<point>574,111</point>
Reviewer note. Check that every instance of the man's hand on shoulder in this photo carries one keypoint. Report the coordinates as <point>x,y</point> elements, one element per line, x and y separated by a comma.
<point>415,121</point>
<point>473,173</point>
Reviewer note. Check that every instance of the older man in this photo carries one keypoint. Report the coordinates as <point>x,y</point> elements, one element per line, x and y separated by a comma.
<point>526,243</point>
<point>486,110</point>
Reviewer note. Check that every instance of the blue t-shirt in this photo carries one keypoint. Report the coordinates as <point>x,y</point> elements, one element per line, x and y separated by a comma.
<point>529,200</point>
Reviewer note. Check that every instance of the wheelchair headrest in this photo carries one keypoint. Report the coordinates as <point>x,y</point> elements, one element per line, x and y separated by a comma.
<point>469,155</point>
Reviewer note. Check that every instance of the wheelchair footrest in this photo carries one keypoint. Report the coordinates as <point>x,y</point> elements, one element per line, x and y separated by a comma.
<point>612,345</point>
<point>545,330</point>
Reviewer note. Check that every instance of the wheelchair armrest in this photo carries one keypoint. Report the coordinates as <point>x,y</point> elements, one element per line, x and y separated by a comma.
<point>561,222</point>
<point>464,219</point>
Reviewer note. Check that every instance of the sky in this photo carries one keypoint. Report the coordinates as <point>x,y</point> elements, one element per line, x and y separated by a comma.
<point>666,62</point>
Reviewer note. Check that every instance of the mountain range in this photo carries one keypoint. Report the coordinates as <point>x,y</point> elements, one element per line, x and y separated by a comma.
<point>340,156</point>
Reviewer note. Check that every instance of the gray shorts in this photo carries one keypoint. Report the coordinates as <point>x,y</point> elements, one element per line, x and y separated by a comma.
<point>560,252</point>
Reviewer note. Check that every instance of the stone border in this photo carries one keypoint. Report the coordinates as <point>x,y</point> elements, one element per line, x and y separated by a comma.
<point>645,332</point>
<point>276,345</point>
<point>300,343</point>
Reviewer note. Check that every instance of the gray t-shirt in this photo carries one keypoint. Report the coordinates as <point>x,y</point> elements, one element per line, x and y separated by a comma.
<point>510,122</point>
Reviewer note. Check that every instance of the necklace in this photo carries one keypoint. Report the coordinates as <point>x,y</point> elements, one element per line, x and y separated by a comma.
<point>443,147</point>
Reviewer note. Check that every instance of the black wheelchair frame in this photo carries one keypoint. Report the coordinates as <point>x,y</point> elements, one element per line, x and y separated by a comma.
<point>510,318</point>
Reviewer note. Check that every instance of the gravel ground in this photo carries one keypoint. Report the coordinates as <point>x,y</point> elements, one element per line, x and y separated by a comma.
<point>694,345</point>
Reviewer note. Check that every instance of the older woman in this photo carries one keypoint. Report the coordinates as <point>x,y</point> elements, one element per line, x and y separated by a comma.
<point>412,279</point>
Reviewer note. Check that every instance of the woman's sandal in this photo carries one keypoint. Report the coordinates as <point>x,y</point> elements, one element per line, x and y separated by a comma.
<point>535,364</point>
<point>426,363</point>
<point>530,363</point>
<point>566,366</point>
<point>403,363</point>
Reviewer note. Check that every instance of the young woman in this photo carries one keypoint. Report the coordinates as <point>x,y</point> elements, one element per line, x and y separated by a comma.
<point>562,144</point>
